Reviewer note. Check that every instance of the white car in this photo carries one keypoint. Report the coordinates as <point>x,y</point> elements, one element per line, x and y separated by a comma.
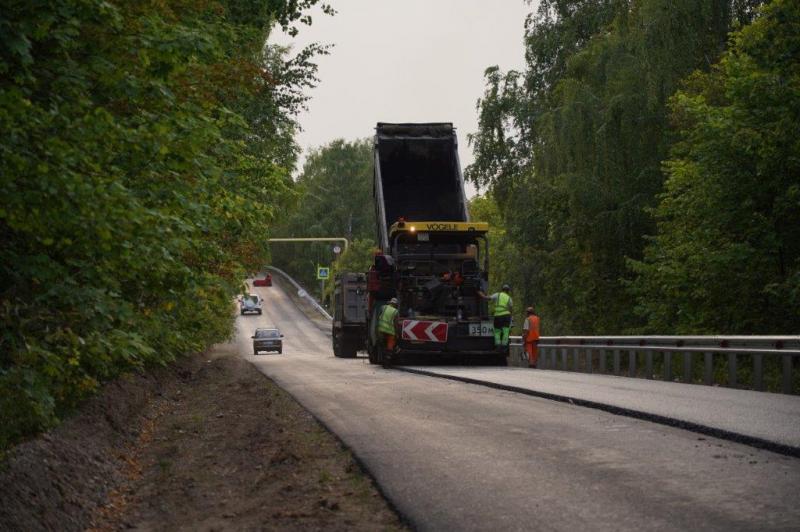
<point>250,303</point>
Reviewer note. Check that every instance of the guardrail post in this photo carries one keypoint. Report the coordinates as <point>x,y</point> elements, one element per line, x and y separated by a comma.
<point>632,363</point>
<point>687,367</point>
<point>602,359</point>
<point>668,366</point>
<point>575,362</point>
<point>787,374</point>
<point>648,364</point>
<point>708,369</point>
<point>732,369</point>
<point>758,372</point>
<point>616,361</point>
<point>589,361</point>
<point>564,358</point>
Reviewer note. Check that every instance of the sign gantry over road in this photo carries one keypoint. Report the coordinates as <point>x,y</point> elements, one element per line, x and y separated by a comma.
<point>313,239</point>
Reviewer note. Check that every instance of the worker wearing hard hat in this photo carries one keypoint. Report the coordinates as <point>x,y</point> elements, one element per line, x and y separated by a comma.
<point>387,328</point>
<point>502,316</point>
<point>530,335</point>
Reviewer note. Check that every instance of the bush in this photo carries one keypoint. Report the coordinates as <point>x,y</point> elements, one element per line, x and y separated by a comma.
<point>144,149</point>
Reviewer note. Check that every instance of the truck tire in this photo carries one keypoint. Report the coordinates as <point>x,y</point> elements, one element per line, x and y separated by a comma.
<point>386,362</point>
<point>349,347</point>
<point>337,343</point>
<point>349,350</point>
<point>372,353</point>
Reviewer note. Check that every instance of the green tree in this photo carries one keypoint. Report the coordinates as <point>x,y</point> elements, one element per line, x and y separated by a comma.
<point>333,199</point>
<point>572,148</point>
<point>726,258</point>
<point>145,149</point>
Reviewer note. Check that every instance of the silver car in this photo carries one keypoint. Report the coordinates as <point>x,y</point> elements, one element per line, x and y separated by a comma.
<point>250,303</point>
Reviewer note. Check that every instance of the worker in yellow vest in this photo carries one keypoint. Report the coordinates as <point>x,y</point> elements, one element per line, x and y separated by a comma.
<point>387,329</point>
<point>502,304</point>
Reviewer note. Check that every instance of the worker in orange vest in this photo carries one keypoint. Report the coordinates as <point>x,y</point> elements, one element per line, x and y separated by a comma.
<point>531,336</point>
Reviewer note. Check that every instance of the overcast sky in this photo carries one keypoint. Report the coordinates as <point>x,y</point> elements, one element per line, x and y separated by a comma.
<point>406,61</point>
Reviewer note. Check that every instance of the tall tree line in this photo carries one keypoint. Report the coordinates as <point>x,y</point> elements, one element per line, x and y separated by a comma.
<point>726,256</point>
<point>573,150</point>
<point>333,198</point>
<point>146,148</point>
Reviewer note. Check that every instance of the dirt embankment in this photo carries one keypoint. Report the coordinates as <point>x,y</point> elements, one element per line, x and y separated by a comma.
<point>209,444</point>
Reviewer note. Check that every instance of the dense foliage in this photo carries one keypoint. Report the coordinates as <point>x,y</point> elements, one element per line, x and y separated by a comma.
<point>333,199</point>
<point>572,148</point>
<point>145,148</point>
<point>727,253</point>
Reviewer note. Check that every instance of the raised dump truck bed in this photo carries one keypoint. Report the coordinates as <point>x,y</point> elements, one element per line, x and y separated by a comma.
<point>417,176</point>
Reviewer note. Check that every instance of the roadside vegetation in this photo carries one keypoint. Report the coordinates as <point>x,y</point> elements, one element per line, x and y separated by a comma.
<point>146,149</point>
<point>644,167</point>
<point>333,198</point>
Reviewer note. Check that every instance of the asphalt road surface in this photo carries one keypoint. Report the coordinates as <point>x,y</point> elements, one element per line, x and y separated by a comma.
<point>769,417</point>
<point>456,456</point>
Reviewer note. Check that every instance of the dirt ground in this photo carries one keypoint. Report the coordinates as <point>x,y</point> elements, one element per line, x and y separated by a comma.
<point>209,444</point>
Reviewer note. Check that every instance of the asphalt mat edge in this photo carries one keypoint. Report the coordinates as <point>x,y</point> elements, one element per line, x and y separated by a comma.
<point>752,441</point>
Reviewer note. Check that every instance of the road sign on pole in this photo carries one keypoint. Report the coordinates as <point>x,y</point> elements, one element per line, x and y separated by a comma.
<point>337,249</point>
<point>323,273</point>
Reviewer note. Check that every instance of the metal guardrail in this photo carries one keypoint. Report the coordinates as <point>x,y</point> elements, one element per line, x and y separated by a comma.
<point>605,354</point>
<point>302,292</point>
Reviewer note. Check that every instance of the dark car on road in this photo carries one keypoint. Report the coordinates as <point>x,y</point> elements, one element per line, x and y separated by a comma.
<point>267,339</point>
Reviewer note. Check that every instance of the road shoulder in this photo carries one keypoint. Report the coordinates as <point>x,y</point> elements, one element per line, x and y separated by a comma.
<point>210,444</point>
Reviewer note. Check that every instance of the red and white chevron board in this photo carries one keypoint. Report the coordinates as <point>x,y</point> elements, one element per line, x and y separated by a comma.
<point>425,331</point>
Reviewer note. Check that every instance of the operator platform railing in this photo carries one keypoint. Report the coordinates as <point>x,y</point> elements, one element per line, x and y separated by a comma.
<point>637,356</point>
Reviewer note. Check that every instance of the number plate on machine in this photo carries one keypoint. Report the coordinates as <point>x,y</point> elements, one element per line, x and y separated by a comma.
<point>484,328</point>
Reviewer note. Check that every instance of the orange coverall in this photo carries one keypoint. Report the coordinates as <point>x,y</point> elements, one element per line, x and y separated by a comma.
<point>532,339</point>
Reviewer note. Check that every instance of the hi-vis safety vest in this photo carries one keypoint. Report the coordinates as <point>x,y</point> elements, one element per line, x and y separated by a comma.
<point>386,321</point>
<point>503,304</point>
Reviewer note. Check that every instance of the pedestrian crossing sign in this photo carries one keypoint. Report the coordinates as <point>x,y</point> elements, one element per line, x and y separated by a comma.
<point>323,273</point>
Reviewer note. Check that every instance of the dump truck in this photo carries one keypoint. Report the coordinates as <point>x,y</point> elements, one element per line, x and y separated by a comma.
<point>431,257</point>
<point>349,323</point>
